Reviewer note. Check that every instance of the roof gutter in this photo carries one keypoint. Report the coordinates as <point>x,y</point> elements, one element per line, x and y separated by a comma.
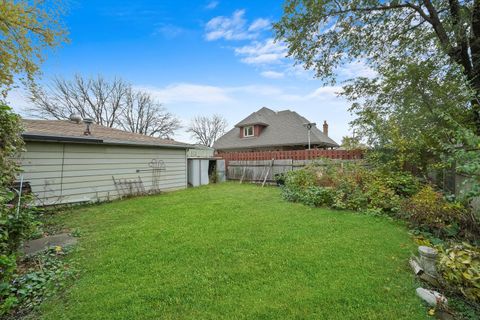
<point>141,144</point>
<point>47,138</point>
<point>86,140</point>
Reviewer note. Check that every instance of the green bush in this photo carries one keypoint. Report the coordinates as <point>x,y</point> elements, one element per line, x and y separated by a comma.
<point>300,179</point>
<point>16,223</point>
<point>429,211</point>
<point>302,186</point>
<point>348,186</point>
<point>349,194</point>
<point>14,228</point>
<point>291,194</point>
<point>381,196</point>
<point>404,184</point>
<point>354,200</point>
<point>459,266</point>
<point>318,196</point>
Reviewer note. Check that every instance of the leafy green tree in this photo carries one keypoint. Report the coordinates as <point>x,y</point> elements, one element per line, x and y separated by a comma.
<point>352,143</point>
<point>464,154</point>
<point>27,28</point>
<point>326,34</point>
<point>421,107</point>
<point>407,111</point>
<point>11,144</point>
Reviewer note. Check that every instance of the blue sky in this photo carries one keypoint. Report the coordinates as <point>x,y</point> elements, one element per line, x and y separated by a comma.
<point>196,57</point>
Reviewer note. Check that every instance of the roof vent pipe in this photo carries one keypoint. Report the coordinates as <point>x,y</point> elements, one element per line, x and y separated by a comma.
<point>87,122</point>
<point>75,117</point>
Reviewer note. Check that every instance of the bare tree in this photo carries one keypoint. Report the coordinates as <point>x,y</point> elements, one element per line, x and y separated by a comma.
<point>97,99</point>
<point>109,103</point>
<point>142,114</point>
<point>206,130</point>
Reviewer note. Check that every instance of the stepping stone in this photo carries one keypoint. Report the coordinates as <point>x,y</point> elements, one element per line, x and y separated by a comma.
<point>33,247</point>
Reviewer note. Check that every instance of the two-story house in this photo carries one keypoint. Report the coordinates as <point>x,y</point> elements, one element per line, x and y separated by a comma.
<point>270,130</point>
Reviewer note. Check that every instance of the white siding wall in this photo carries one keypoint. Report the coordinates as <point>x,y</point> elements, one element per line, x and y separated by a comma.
<point>67,173</point>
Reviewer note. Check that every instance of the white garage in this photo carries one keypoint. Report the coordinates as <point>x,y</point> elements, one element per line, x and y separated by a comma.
<point>72,162</point>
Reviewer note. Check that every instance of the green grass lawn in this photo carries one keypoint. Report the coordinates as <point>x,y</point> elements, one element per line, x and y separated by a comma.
<point>235,251</point>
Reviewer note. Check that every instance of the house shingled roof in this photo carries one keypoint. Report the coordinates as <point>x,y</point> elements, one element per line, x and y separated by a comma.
<point>259,117</point>
<point>285,128</point>
<point>52,130</point>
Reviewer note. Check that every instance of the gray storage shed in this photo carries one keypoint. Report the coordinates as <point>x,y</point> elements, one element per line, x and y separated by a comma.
<point>203,165</point>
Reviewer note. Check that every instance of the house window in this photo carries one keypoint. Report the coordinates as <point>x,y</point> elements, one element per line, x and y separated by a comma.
<point>248,131</point>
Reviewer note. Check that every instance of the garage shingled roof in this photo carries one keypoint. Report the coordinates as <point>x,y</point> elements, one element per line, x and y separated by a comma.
<point>52,130</point>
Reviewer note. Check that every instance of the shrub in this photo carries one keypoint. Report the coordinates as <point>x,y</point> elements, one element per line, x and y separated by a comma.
<point>349,195</point>
<point>459,266</point>
<point>348,186</point>
<point>318,196</point>
<point>429,211</point>
<point>16,223</point>
<point>404,184</point>
<point>303,186</point>
<point>295,184</point>
<point>311,196</point>
<point>300,179</point>
<point>381,196</point>
<point>291,194</point>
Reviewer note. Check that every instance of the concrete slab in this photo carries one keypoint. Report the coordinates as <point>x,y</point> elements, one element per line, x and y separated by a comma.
<point>35,246</point>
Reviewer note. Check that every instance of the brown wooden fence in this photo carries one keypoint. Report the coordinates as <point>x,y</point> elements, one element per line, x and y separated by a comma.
<point>292,155</point>
<point>253,166</point>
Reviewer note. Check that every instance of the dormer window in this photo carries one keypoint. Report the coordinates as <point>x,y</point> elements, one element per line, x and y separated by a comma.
<point>248,131</point>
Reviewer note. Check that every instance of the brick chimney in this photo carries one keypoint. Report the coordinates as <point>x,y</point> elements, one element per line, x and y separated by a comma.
<point>325,128</point>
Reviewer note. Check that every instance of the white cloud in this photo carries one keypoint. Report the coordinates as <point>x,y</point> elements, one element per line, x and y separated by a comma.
<point>186,92</point>
<point>272,74</point>
<point>259,24</point>
<point>235,27</point>
<point>212,5</point>
<point>265,52</point>
<point>228,28</point>
<point>325,93</point>
<point>356,69</point>
<point>256,52</point>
